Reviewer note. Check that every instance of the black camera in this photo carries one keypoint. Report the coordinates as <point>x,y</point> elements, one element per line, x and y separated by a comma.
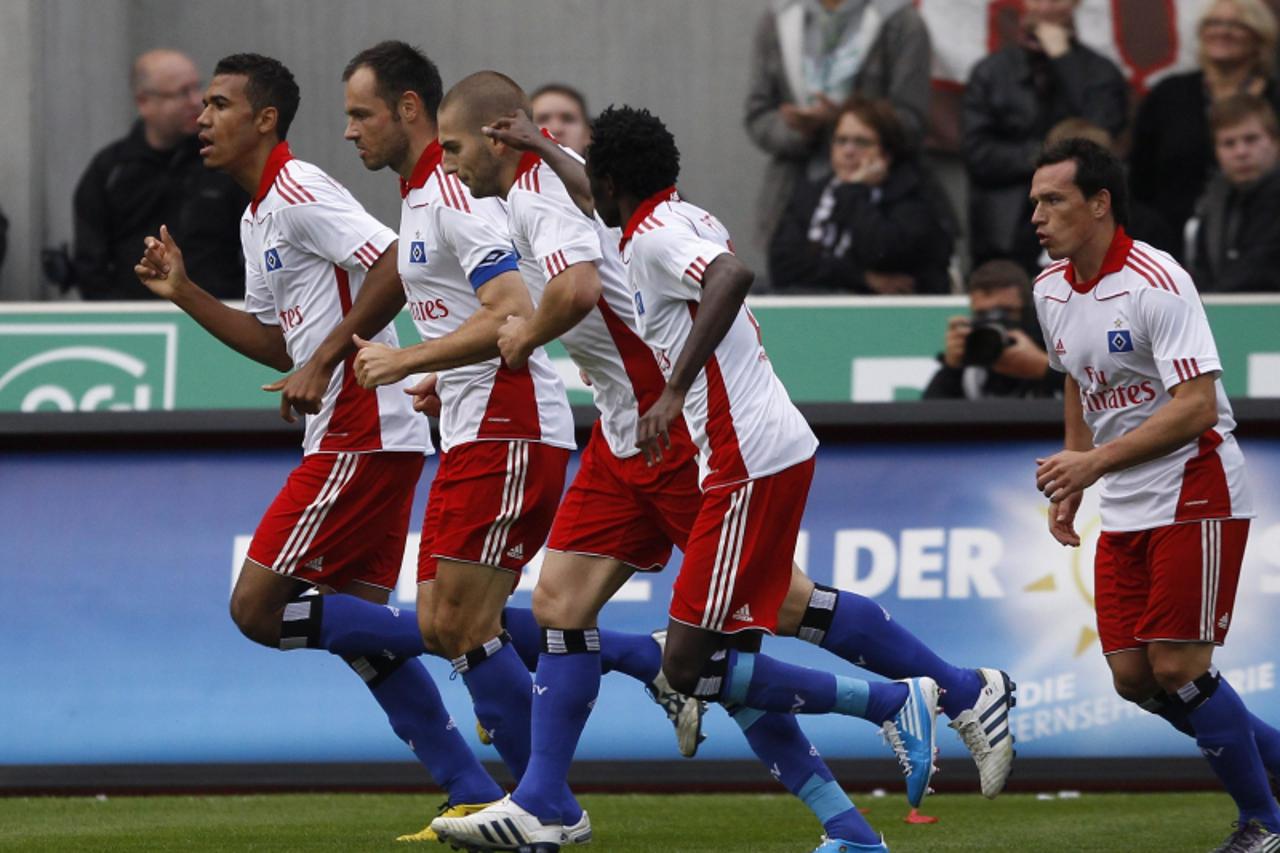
<point>988,336</point>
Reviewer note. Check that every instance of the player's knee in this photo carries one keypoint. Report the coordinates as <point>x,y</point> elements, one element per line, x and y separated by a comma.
<point>456,631</point>
<point>1171,673</point>
<point>429,638</point>
<point>683,671</point>
<point>253,622</point>
<point>1133,686</point>
<point>556,607</point>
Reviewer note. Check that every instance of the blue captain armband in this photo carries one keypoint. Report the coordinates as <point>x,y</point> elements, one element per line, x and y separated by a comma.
<point>494,264</point>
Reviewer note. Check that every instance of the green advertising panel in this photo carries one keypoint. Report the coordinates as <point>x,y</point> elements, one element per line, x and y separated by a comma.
<point>82,357</point>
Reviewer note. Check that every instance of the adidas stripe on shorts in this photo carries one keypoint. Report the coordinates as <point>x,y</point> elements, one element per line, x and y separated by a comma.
<point>340,518</point>
<point>492,503</point>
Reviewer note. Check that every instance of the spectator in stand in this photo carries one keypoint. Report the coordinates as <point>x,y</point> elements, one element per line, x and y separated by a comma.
<point>1145,222</point>
<point>1236,246</point>
<point>998,351</point>
<point>810,56</point>
<point>879,224</point>
<point>561,110</point>
<point>1012,99</point>
<point>153,177</point>
<point>1172,156</point>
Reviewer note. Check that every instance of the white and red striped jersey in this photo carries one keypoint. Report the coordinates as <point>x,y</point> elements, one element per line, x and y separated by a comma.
<point>307,246</point>
<point>738,411</point>
<point>550,233</point>
<point>1127,337</point>
<point>451,245</point>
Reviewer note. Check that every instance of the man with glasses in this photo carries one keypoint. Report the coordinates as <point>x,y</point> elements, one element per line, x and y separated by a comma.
<point>154,176</point>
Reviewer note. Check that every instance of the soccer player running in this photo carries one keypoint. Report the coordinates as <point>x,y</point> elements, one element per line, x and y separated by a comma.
<point>774,736</point>
<point>1146,414</point>
<point>340,522</point>
<point>461,281</point>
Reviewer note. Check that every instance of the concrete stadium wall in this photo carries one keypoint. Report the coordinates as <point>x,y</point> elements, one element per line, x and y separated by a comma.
<point>688,62</point>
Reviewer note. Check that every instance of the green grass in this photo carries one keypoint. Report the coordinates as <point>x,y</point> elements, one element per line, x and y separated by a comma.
<point>721,823</point>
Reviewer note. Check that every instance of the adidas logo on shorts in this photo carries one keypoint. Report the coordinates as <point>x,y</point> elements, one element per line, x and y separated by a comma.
<point>516,552</point>
<point>314,565</point>
<point>743,614</point>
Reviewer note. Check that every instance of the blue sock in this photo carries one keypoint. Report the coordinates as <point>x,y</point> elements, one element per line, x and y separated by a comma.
<point>863,633</point>
<point>526,636</point>
<point>418,716</point>
<point>501,691</point>
<point>347,625</point>
<point>565,691</point>
<point>1264,735</point>
<point>768,684</point>
<point>777,741</point>
<point>1225,738</point>
<point>636,655</point>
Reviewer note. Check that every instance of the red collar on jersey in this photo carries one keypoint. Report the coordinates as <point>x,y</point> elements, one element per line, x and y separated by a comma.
<point>528,160</point>
<point>1112,262</point>
<point>275,162</point>
<point>427,163</point>
<point>642,212</point>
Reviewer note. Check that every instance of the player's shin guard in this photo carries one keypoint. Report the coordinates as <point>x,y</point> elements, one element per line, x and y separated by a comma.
<point>863,633</point>
<point>1225,738</point>
<point>564,692</point>
<point>768,684</point>
<point>418,716</point>
<point>1264,735</point>
<point>778,742</point>
<point>346,625</point>
<point>501,690</point>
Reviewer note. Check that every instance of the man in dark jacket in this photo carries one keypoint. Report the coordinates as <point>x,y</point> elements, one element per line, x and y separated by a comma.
<point>1012,99</point>
<point>155,176</point>
<point>1237,241</point>
<point>1015,363</point>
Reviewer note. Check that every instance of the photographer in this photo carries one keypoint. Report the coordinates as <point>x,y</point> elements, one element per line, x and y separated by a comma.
<point>998,351</point>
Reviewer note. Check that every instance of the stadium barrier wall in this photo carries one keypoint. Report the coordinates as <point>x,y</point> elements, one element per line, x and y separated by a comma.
<point>124,530</point>
<point>150,357</point>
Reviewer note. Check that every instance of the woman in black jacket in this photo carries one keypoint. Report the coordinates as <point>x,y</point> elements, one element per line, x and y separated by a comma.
<point>880,224</point>
<point>1172,156</point>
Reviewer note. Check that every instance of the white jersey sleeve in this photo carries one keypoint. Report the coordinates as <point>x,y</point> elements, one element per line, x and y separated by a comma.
<point>258,299</point>
<point>481,246</point>
<point>559,237</point>
<point>683,257</point>
<point>1181,342</point>
<point>334,226</point>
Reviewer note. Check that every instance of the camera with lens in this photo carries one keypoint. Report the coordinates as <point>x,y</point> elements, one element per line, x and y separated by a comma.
<point>988,336</point>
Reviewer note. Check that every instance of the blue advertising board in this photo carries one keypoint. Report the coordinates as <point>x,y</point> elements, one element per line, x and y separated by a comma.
<point>118,647</point>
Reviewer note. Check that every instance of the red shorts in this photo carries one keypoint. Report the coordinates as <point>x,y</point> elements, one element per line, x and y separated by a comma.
<point>627,510</point>
<point>737,566</point>
<point>491,503</point>
<point>340,518</point>
<point>1174,583</point>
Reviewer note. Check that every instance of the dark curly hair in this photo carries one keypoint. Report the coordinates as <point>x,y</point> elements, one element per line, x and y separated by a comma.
<point>634,149</point>
<point>270,84</point>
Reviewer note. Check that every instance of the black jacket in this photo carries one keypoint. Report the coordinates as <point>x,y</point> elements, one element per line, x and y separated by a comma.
<point>1238,241</point>
<point>128,191</point>
<point>1005,119</point>
<point>902,226</point>
<point>1172,155</point>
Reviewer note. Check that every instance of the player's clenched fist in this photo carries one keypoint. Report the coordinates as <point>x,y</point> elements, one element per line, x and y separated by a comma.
<point>161,268</point>
<point>512,342</point>
<point>653,430</point>
<point>377,364</point>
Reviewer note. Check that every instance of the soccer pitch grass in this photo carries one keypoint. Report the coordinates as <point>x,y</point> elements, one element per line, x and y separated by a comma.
<point>623,823</point>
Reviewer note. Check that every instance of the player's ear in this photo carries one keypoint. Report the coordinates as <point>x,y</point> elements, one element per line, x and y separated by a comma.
<point>267,119</point>
<point>409,107</point>
<point>1100,203</point>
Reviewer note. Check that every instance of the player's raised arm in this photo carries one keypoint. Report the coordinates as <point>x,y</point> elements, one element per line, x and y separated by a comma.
<point>501,297</point>
<point>162,270</point>
<point>724,288</point>
<point>519,132</point>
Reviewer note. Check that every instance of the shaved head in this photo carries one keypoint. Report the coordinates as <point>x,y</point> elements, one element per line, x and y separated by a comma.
<point>482,97</point>
<point>159,63</point>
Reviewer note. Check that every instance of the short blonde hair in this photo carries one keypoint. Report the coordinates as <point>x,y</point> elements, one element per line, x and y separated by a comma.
<point>1261,21</point>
